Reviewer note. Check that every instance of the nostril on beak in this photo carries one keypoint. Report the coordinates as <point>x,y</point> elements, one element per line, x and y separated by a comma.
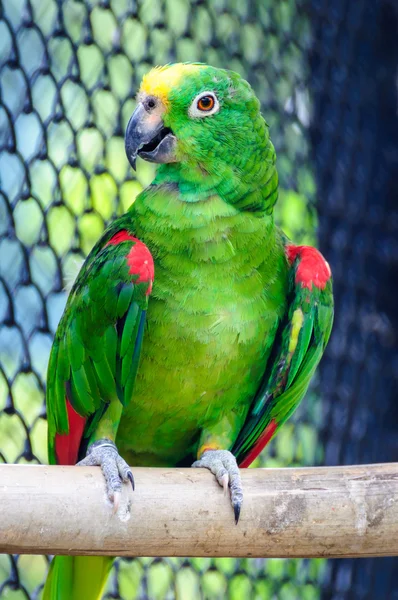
<point>150,103</point>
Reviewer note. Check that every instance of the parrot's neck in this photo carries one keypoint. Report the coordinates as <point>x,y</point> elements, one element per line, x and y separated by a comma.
<point>249,183</point>
<point>176,216</point>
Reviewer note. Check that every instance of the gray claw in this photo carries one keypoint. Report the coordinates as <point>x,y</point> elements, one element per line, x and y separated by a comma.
<point>131,477</point>
<point>104,454</point>
<point>223,465</point>
<point>236,508</point>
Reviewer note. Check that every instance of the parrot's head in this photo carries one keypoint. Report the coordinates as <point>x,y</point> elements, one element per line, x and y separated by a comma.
<point>199,115</point>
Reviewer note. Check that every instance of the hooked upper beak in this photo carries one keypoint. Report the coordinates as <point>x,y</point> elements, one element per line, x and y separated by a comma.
<point>146,136</point>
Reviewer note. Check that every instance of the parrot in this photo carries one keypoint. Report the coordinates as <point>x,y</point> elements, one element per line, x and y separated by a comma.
<point>195,325</point>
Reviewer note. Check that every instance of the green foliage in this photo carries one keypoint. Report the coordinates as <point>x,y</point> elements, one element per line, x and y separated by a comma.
<point>292,212</point>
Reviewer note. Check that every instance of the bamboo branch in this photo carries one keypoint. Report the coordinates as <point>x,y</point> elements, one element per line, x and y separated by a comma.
<point>328,511</point>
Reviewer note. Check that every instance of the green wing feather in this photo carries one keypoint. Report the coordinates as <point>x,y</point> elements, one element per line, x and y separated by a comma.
<point>94,358</point>
<point>299,344</point>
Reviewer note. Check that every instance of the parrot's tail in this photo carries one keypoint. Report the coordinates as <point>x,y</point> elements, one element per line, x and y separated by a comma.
<point>77,577</point>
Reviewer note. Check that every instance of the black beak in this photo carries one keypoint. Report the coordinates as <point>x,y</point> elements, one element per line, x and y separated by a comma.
<point>146,136</point>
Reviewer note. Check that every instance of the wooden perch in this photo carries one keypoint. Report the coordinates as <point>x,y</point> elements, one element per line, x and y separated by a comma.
<point>328,511</point>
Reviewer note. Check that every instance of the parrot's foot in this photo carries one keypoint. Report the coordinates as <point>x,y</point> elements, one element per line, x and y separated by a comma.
<point>104,454</point>
<point>223,465</point>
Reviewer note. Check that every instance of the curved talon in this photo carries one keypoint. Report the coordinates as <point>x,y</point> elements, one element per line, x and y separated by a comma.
<point>104,454</point>
<point>236,508</point>
<point>131,477</point>
<point>222,464</point>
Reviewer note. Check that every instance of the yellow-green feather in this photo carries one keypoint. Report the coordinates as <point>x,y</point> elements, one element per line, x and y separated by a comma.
<point>77,578</point>
<point>221,309</point>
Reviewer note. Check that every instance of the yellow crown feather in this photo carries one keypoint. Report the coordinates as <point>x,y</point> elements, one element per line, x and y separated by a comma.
<point>161,80</point>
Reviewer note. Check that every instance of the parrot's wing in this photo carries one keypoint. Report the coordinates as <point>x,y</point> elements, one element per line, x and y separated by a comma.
<point>96,350</point>
<point>298,347</point>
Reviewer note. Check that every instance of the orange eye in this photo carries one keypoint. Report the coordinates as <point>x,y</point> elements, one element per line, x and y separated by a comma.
<point>206,103</point>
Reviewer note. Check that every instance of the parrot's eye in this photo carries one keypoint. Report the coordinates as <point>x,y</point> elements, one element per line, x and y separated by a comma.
<point>203,105</point>
<point>206,103</point>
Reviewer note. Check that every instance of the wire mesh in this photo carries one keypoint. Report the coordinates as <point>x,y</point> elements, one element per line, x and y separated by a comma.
<point>69,71</point>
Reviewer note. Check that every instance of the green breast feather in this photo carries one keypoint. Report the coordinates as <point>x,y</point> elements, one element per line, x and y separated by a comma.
<point>220,352</point>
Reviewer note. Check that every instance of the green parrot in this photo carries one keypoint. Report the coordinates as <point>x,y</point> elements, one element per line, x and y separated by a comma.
<point>194,326</point>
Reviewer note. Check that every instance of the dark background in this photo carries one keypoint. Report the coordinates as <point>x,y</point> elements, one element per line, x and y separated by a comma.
<point>354,137</point>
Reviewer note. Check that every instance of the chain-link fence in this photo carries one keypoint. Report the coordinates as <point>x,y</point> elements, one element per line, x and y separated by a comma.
<point>69,71</point>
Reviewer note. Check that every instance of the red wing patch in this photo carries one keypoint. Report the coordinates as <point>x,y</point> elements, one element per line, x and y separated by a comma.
<point>312,268</point>
<point>139,258</point>
<point>67,445</point>
<point>262,441</point>
<point>140,262</point>
<point>119,237</point>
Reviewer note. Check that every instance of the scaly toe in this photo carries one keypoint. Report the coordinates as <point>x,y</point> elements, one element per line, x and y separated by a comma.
<point>125,471</point>
<point>222,464</point>
<point>104,453</point>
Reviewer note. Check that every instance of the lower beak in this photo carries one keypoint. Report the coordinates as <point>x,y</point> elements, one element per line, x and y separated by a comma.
<point>146,136</point>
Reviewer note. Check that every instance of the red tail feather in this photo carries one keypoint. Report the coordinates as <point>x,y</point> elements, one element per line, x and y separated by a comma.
<point>260,444</point>
<point>67,445</point>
